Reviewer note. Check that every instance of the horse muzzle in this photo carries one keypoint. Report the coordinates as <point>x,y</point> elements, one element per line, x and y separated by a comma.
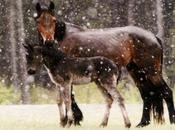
<point>31,71</point>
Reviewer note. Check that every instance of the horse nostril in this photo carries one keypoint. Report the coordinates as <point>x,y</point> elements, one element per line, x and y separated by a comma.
<point>31,71</point>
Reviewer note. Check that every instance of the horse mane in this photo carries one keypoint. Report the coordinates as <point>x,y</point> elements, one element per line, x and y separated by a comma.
<point>74,27</point>
<point>53,52</point>
<point>60,30</point>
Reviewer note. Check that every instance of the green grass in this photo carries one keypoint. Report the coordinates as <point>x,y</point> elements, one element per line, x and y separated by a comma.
<point>7,95</point>
<point>84,94</point>
<point>45,117</point>
<point>90,94</point>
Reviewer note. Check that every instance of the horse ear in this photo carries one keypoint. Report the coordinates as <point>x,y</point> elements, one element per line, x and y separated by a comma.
<point>38,7</point>
<point>51,6</point>
<point>28,48</point>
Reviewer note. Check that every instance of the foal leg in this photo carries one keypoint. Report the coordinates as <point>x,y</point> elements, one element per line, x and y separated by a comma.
<point>68,102</point>
<point>110,87</point>
<point>63,121</point>
<point>109,102</point>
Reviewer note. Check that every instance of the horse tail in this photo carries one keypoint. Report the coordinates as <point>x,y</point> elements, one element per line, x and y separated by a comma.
<point>157,99</point>
<point>157,107</point>
<point>160,43</point>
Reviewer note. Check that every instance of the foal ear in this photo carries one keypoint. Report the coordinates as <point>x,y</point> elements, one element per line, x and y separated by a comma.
<point>38,7</point>
<point>28,48</point>
<point>51,6</point>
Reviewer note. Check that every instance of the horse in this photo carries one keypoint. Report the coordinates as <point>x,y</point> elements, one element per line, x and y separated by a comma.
<point>130,47</point>
<point>65,71</point>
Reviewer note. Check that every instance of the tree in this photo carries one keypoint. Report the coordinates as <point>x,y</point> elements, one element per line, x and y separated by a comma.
<point>22,60</point>
<point>17,37</point>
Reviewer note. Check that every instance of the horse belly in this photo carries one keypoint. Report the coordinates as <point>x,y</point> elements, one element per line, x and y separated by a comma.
<point>77,80</point>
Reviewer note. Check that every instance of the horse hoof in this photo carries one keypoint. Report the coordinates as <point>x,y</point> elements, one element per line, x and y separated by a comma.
<point>103,124</point>
<point>77,123</point>
<point>143,124</point>
<point>128,125</point>
<point>69,123</point>
<point>172,120</point>
<point>63,122</point>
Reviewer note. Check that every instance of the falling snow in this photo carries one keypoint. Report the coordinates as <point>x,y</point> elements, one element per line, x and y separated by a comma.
<point>88,14</point>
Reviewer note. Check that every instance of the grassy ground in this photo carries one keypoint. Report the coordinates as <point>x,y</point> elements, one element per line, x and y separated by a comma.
<point>45,117</point>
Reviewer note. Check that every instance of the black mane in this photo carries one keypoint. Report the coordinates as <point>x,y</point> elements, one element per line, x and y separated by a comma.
<point>60,30</point>
<point>53,52</point>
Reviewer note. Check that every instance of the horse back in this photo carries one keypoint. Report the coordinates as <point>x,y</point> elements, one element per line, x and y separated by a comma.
<point>122,45</point>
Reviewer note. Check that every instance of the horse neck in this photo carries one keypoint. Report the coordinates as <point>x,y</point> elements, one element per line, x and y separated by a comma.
<point>64,28</point>
<point>60,30</point>
<point>74,28</point>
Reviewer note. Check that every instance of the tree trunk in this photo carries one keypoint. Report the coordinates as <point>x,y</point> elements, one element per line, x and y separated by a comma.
<point>22,66</point>
<point>160,20</point>
<point>119,12</point>
<point>13,46</point>
<point>131,11</point>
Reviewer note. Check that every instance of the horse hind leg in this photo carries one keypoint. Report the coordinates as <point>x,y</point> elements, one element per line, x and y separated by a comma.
<point>167,95</point>
<point>109,102</point>
<point>110,87</point>
<point>144,87</point>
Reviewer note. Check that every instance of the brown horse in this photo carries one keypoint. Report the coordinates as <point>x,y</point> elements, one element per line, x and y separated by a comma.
<point>134,48</point>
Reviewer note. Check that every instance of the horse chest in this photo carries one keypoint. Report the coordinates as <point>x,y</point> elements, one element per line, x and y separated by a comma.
<point>55,78</point>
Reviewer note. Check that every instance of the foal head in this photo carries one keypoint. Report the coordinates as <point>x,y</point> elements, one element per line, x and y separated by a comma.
<point>47,54</point>
<point>46,21</point>
<point>33,57</point>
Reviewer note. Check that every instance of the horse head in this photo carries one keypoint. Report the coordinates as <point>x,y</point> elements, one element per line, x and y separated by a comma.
<point>33,57</point>
<point>46,21</point>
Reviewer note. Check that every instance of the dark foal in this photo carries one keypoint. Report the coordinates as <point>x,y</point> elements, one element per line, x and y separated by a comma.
<point>65,71</point>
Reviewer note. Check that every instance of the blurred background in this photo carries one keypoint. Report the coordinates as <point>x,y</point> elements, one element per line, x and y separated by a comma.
<point>17,26</point>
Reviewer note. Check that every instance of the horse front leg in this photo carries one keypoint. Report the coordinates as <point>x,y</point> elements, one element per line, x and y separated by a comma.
<point>77,114</point>
<point>63,119</point>
<point>68,102</point>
